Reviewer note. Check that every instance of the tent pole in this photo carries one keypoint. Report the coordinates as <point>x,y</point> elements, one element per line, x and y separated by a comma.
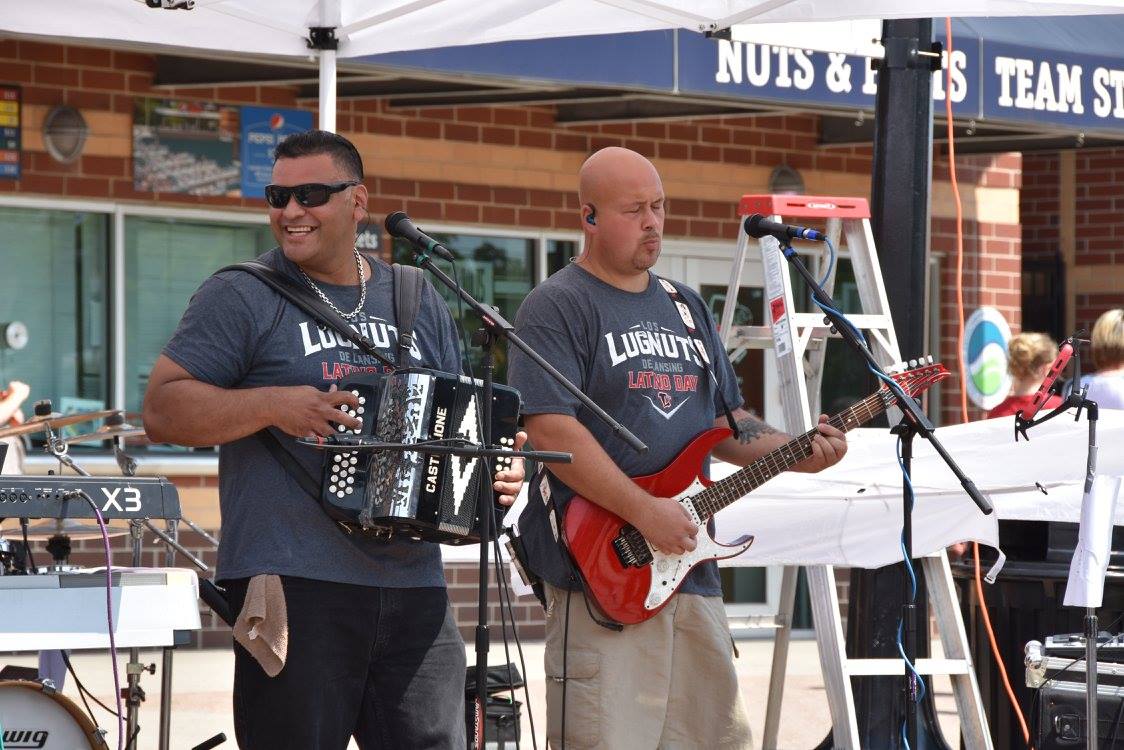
<point>328,90</point>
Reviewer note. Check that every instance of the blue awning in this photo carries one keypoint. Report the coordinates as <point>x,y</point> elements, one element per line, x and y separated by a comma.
<point>1055,74</point>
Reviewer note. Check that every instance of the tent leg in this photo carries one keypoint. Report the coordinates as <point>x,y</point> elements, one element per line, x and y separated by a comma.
<point>328,90</point>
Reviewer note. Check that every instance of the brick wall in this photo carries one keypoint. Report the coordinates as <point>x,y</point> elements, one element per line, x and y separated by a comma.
<point>1096,203</point>
<point>1039,204</point>
<point>992,266</point>
<point>494,166</point>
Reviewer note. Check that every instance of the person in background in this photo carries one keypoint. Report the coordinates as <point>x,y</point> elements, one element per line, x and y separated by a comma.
<point>11,399</point>
<point>1106,386</point>
<point>1029,356</point>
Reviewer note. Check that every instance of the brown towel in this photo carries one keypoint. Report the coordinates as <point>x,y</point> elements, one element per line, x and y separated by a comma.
<point>263,625</point>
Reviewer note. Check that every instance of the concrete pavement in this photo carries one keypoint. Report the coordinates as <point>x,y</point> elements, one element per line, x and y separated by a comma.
<point>202,681</point>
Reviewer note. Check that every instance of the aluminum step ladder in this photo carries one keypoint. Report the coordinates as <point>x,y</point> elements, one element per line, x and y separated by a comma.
<point>799,340</point>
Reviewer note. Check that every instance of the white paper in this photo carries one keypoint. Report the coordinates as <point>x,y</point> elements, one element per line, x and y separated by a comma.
<point>1085,587</point>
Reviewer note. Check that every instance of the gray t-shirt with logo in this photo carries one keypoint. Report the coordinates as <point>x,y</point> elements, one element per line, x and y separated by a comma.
<point>630,353</point>
<point>239,333</point>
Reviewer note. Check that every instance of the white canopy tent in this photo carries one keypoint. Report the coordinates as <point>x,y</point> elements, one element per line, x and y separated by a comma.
<point>357,28</point>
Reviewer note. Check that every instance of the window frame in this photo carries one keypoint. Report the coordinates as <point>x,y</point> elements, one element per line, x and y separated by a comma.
<point>117,213</point>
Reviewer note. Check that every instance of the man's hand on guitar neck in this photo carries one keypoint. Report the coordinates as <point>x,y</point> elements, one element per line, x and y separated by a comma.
<point>758,438</point>
<point>828,448</point>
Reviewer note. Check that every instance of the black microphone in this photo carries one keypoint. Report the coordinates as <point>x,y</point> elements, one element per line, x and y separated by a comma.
<point>758,226</point>
<point>398,224</point>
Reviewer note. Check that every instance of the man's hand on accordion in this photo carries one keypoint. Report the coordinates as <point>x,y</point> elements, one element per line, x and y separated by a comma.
<point>306,411</point>
<point>509,482</point>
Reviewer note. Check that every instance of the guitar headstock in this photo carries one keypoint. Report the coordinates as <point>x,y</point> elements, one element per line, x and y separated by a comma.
<point>918,375</point>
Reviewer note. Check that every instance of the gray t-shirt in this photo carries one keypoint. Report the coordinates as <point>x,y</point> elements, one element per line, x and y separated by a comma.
<point>239,333</point>
<point>629,352</point>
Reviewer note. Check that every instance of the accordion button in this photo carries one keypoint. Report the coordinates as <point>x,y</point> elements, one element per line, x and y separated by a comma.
<point>341,428</point>
<point>351,480</point>
<point>359,410</point>
<point>354,460</point>
<point>362,400</point>
<point>331,487</point>
<point>348,490</point>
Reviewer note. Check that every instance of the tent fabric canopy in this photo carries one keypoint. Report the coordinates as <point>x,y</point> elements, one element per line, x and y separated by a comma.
<point>366,27</point>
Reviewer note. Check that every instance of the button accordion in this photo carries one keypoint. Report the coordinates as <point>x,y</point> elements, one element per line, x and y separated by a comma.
<point>426,496</point>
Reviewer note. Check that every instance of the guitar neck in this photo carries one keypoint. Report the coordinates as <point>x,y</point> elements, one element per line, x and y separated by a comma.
<point>739,484</point>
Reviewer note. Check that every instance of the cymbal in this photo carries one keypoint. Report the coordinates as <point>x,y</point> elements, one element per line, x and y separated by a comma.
<point>55,420</point>
<point>107,431</point>
<point>77,530</point>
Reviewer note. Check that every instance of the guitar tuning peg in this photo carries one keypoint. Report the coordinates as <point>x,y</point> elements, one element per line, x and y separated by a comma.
<point>931,360</point>
<point>913,363</point>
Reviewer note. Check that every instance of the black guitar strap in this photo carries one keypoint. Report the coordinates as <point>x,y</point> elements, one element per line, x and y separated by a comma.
<point>700,348</point>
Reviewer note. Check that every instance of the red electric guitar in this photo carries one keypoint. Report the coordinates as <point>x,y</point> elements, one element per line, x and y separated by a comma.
<point>628,578</point>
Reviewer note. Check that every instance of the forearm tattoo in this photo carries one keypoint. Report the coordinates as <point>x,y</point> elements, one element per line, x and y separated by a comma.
<point>751,428</point>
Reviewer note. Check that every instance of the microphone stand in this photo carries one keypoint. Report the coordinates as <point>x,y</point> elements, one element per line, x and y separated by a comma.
<point>496,327</point>
<point>1076,399</point>
<point>914,422</point>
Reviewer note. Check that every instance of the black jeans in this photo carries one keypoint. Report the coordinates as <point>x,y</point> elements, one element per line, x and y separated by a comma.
<point>384,665</point>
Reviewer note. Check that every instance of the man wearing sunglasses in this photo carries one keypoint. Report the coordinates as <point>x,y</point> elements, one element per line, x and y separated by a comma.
<point>372,648</point>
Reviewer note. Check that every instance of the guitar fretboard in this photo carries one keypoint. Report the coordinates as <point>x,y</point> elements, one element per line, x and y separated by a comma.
<point>739,484</point>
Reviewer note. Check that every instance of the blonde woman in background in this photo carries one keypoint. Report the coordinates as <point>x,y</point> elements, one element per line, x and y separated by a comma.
<point>1029,356</point>
<point>1106,387</point>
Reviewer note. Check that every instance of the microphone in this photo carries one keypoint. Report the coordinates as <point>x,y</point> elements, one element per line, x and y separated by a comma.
<point>757,226</point>
<point>398,224</point>
<point>1065,352</point>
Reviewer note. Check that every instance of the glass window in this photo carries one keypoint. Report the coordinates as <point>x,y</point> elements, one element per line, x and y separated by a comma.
<point>166,260</point>
<point>53,278</point>
<point>497,271</point>
<point>559,253</point>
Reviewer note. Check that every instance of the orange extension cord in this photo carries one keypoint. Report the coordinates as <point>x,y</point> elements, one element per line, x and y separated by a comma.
<point>963,371</point>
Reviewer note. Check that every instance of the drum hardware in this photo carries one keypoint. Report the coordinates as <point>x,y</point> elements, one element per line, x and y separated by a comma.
<point>45,419</point>
<point>73,528</point>
<point>114,426</point>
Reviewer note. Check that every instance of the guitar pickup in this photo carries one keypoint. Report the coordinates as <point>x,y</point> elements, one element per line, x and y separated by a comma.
<point>631,548</point>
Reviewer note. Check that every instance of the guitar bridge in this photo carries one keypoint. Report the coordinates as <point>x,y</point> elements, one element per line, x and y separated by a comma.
<point>631,548</point>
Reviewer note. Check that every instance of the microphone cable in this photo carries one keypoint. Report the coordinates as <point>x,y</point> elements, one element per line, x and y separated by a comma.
<point>109,615</point>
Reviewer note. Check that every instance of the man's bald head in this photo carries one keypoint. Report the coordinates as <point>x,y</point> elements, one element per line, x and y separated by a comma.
<point>611,171</point>
<point>622,204</point>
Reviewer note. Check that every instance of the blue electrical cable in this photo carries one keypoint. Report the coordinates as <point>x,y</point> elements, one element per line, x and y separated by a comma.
<point>830,261</point>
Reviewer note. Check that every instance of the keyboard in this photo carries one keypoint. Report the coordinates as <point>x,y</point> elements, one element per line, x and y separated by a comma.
<point>23,496</point>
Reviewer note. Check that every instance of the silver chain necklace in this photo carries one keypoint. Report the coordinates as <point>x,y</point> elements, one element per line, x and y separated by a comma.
<point>362,291</point>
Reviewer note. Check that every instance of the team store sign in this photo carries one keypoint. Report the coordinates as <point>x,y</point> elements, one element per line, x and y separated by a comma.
<point>990,81</point>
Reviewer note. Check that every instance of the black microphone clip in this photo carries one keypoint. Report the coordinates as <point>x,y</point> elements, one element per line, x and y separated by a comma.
<point>398,224</point>
<point>757,226</point>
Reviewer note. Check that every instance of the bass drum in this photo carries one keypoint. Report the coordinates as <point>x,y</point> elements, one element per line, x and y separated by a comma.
<point>32,717</point>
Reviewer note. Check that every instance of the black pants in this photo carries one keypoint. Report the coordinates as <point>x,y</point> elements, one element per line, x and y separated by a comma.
<point>384,665</point>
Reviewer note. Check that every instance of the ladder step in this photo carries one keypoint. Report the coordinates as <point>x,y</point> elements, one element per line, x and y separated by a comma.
<point>876,667</point>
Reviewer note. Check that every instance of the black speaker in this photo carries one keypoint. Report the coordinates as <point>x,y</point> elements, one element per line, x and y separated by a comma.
<point>1061,717</point>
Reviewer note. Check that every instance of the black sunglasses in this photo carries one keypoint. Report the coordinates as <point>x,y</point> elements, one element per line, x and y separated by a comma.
<point>309,195</point>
